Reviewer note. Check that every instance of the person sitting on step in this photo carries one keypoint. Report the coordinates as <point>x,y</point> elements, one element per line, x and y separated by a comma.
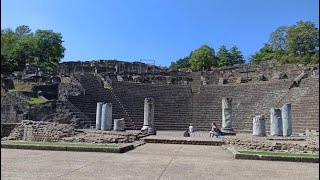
<point>215,131</point>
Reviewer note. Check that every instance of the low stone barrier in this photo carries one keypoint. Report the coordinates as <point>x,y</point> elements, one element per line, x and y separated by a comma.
<point>121,149</point>
<point>179,141</point>
<point>238,155</point>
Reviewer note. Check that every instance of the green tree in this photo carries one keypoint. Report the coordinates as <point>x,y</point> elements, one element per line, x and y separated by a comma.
<point>278,38</point>
<point>203,58</point>
<point>265,53</point>
<point>8,41</point>
<point>182,63</point>
<point>23,51</point>
<point>236,56</point>
<point>49,49</point>
<point>315,57</point>
<point>303,38</point>
<point>224,57</point>
<point>23,31</point>
<point>21,46</point>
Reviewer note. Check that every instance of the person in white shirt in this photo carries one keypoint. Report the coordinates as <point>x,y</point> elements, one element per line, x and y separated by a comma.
<point>191,131</point>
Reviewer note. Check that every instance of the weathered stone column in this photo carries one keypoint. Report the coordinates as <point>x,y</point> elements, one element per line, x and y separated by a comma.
<point>276,122</point>
<point>148,121</point>
<point>286,119</point>
<point>98,115</point>
<point>227,116</point>
<point>259,128</point>
<point>106,117</point>
<point>119,125</point>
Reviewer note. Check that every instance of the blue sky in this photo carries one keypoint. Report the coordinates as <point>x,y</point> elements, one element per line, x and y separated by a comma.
<point>160,30</point>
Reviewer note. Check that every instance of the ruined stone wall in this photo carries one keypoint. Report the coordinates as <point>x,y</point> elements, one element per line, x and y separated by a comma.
<point>13,107</point>
<point>103,66</point>
<point>144,73</point>
<point>270,70</point>
<point>6,129</point>
<point>40,131</point>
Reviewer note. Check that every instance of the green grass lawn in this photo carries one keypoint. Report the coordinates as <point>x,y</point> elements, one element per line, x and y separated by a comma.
<point>36,101</point>
<point>264,153</point>
<point>60,144</point>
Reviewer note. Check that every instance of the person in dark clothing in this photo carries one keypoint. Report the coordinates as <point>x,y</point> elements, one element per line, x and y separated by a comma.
<point>186,133</point>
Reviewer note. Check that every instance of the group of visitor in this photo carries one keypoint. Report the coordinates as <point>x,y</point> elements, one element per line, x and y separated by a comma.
<point>215,131</point>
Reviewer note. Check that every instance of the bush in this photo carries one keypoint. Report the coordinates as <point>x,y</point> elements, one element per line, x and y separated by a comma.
<point>315,58</point>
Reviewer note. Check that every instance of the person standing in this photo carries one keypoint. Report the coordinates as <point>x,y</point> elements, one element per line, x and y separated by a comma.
<point>191,130</point>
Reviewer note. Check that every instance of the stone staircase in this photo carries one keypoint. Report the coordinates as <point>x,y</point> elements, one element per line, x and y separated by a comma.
<point>196,82</point>
<point>248,101</point>
<point>172,103</point>
<point>95,92</point>
<point>304,102</point>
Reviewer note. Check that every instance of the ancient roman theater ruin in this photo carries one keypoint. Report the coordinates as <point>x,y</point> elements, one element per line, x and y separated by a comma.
<point>181,98</point>
<point>253,94</point>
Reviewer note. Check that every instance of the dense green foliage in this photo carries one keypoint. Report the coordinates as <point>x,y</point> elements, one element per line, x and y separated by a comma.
<point>204,58</point>
<point>183,63</point>
<point>224,57</point>
<point>294,44</point>
<point>287,44</point>
<point>43,48</point>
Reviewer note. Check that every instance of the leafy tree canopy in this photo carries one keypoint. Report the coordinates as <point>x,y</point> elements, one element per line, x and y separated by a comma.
<point>298,43</point>
<point>303,38</point>
<point>203,58</point>
<point>236,56</point>
<point>20,47</point>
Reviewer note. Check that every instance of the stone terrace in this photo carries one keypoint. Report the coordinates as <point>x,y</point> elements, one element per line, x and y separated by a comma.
<point>95,92</point>
<point>173,110</point>
<point>178,105</point>
<point>250,100</point>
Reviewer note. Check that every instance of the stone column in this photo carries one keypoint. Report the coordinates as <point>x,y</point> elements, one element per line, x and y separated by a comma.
<point>276,122</point>
<point>106,117</point>
<point>227,116</point>
<point>98,115</point>
<point>286,119</point>
<point>148,121</point>
<point>119,124</point>
<point>259,128</point>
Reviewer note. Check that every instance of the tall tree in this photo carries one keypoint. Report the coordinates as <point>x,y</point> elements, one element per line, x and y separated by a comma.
<point>265,53</point>
<point>236,56</point>
<point>23,30</point>
<point>182,63</point>
<point>278,38</point>
<point>8,42</point>
<point>303,38</point>
<point>21,46</point>
<point>49,48</point>
<point>24,51</point>
<point>224,57</point>
<point>203,58</point>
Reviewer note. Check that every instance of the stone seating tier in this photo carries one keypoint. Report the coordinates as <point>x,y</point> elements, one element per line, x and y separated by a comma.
<point>176,106</point>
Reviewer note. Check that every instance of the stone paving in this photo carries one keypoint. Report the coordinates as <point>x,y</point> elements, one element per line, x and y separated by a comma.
<point>148,162</point>
<point>294,143</point>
